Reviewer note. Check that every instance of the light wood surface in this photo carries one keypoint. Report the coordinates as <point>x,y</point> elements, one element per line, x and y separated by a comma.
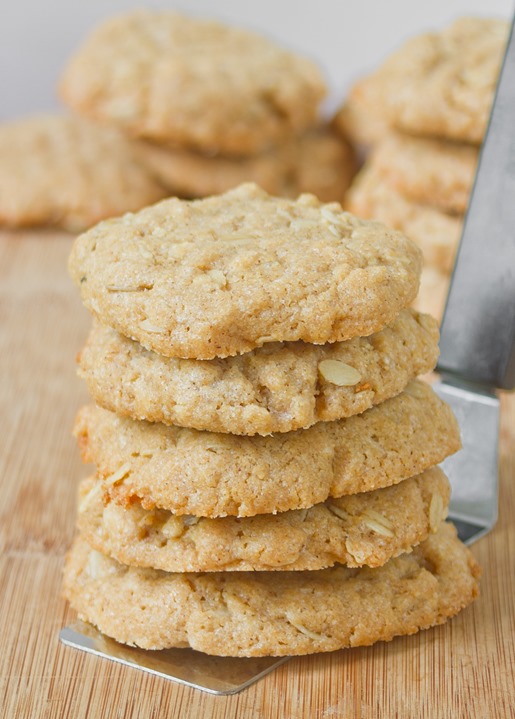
<point>463,669</point>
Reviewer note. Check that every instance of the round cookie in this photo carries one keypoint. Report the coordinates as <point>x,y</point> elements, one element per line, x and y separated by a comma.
<point>172,78</point>
<point>442,84</point>
<point>318,162</point>
<point>434,231</point>
<point>212,475</point>
<point>427,171</point>
<point>273,613</point>
<point>64,171</point>
<point>223,275</point>
<point>276,388</point>
<point>361,529</point>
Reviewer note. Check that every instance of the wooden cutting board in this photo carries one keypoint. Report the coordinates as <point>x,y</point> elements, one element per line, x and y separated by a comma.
<point>463,669</point>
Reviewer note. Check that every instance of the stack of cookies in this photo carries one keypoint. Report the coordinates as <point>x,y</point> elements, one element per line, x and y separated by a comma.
<point>211,105</point>
<point>266,479</point>
<point>424,112</point>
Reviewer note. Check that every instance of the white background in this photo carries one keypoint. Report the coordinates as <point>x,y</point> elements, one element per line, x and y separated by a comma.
<point>347,37</point>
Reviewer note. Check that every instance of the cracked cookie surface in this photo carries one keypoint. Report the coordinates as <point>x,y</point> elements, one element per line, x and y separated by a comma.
<point>361,529</point>
<point>67,172</point>
<point>276,388</point>
<point>273,613</point>
<point>223,275</point>
<point>195,82</point>
<point>210,474</point>
<point>442,84</point>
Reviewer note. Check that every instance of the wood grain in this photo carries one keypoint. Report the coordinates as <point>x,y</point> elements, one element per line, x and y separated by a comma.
<point>463,669</point>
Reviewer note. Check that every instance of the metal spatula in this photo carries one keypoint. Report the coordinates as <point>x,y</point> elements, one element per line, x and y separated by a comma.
<point>478,330</point>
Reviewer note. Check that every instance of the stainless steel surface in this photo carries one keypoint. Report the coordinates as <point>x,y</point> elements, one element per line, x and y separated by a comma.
<point>478,330</point>
<point>216,675</point>
<point>473,471</point>
<point>477,346</point>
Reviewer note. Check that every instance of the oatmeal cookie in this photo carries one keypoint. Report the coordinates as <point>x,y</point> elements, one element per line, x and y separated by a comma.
<point>434,231</point>
<point>275,388</point>
<point>427,171</point>
<point>318,162</point>
<point>273,613</point>
<point>223,275</point>
<point>361,529</point>
<point>210,474</point>
<point>442,84</point>
<point>64,171</point>
<point>201,84</point>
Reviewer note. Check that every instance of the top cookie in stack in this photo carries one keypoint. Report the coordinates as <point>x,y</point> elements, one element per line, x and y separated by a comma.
<point>243,315</point>
<point>432,98</point>
<point>222,276</point>
<point>212,105</point>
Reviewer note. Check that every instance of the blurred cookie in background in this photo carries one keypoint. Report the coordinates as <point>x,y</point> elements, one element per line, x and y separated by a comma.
<point>432,100</point>
<point>64,171</point>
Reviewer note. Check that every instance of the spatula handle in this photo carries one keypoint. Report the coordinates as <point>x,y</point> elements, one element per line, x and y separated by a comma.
<point>478,330</point>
